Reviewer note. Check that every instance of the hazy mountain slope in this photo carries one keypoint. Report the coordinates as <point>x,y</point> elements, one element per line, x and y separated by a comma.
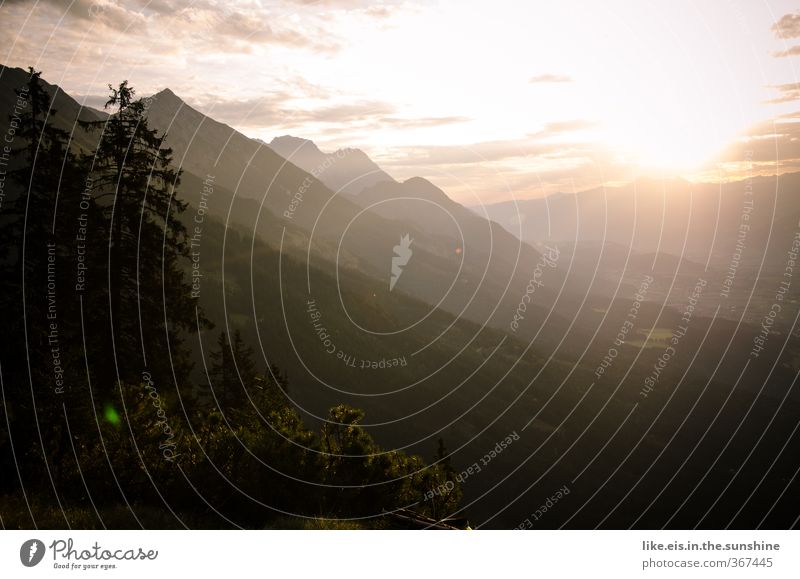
<point>741,231</point>
<point>459,277</point>
<point>346,170</point>
<point>419,201</point>
<point>698,220</point>
<point>287,205</point>
<point>479,390</point>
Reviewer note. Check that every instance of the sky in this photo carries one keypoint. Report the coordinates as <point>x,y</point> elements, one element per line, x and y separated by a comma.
<point>488,100</point>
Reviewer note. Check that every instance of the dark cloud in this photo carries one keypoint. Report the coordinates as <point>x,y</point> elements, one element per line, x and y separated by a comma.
<point>550,78</point>
<point>106,12</point>
<point>226,26</point>
<point>788,26</point>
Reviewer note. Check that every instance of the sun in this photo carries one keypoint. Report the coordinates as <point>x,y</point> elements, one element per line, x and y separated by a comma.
<point>675,149</point>
<point>669,143</point>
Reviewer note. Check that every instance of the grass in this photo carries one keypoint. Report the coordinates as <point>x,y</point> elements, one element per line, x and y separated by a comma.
<point>300,524</point>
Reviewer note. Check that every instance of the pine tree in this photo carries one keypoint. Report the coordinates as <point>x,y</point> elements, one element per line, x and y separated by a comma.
<point>233,373</point>
<point>149,297</point>
<point>40,354</point>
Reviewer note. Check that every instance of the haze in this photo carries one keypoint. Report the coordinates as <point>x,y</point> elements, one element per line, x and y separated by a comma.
<point>489,102</point>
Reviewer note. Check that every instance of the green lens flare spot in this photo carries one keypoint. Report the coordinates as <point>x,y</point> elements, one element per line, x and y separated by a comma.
<point>111,415</point>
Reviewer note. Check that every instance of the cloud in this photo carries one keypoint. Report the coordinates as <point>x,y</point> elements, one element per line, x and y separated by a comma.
<point>422,122</point>
<point>550,78</point>
<point>793,51</point>
<point>560,127</point>
<point>378,11</point>
<point>106,12</point>
<point>487,151</point>
<point>579,174</point>
<point>789,92</point>
<point>773,143</point>
<point>346,4</point>
<point>262,27</point>
<point>345,112</point>
<point>278,109</point>
<point>543,144</point>
<point>222,25</point>
<point>788,26</point>
<point>562,169</point>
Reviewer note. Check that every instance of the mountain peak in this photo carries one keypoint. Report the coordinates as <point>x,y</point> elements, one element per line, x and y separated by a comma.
<point>420,182</point>
<point>165,104</point>
<point>349,170</point>
<point>166,95</point>
<point>290,143</point>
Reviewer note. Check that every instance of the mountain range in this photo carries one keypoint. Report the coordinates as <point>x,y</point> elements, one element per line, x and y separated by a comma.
<point>286,228</point>
<point>345,170</point>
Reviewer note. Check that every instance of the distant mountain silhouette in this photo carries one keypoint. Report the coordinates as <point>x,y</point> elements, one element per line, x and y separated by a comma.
<point>68,110</point>
<point>255,185</point>
<point>697,220</point>
<point>419,201</point>
<point>472,276</point>
<point>348,170</point>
